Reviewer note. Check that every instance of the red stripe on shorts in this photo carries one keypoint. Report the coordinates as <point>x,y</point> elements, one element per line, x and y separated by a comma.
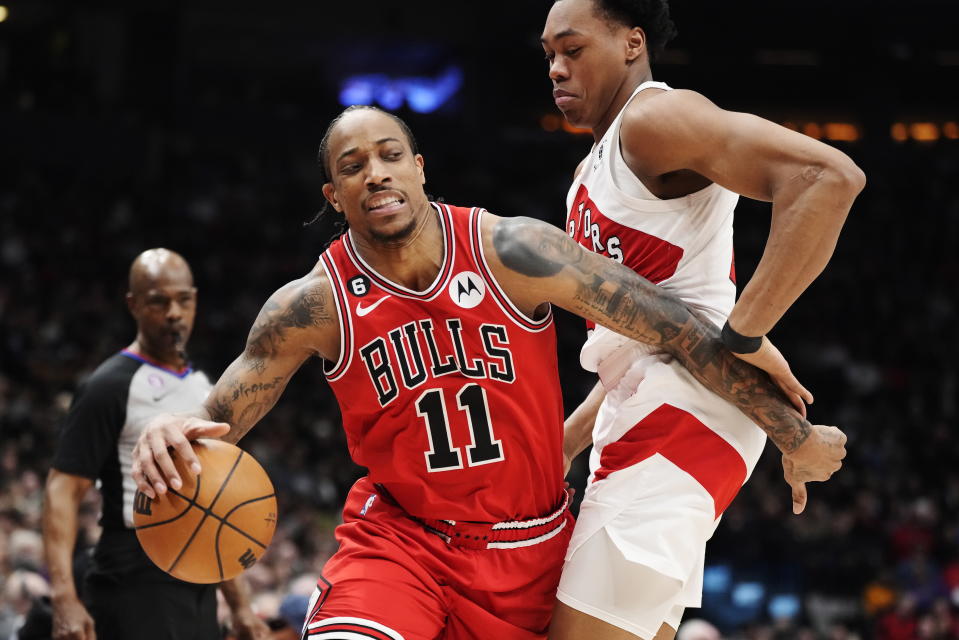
<point>682,439</point>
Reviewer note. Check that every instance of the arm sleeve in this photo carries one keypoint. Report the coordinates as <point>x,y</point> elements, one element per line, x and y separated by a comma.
<point>92,426</point>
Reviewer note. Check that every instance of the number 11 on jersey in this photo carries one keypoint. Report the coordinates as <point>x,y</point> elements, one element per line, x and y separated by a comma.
<point>484,449</point>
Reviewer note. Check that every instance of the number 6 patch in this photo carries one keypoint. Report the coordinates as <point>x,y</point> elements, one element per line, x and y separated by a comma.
<point>359,286</point>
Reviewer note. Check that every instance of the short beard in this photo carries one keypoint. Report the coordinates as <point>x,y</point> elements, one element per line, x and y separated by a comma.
<point>397,236</point>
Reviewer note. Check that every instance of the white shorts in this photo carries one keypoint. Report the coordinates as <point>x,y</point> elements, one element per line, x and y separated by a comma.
<point>660,480</point>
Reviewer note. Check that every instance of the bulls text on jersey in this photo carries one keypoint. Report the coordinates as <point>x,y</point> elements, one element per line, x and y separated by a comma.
<point>402,357</point>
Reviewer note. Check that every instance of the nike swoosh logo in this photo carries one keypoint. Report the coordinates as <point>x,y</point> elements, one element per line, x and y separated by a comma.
<point>362,311</point>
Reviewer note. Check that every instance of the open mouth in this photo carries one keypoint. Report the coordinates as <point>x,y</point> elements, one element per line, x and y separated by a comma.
<point>384,203</point>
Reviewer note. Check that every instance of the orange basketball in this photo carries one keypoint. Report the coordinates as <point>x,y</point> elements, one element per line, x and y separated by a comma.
<point>217,524</point>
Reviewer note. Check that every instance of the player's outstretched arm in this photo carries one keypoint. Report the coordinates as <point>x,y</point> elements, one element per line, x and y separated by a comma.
<point>812,187</point>
<point>536,263</point>
<point>298,321</point>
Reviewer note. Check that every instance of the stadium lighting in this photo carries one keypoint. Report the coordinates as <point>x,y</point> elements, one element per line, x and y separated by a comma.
<point>841,131</point>
<point>550,122</point>
<point>924,131</point>
<point>4,13</point>
<point>422,94</point>
<point>812,130</point>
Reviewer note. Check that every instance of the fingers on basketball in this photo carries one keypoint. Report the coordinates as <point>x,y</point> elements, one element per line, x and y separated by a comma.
<point>218,524</point>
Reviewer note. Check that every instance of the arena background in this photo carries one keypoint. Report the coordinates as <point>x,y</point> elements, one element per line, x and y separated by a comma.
<point>194,125</point>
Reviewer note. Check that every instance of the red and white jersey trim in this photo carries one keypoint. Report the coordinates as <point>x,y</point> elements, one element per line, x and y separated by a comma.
<point>349,628</point>
<point>335,370</point>
<point>536,522</point>
<point>503,300</point>
<point>437,287</point>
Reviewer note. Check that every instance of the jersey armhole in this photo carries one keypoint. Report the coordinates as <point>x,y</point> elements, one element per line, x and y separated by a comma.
<point>503,300</point>
<point>334,370</point>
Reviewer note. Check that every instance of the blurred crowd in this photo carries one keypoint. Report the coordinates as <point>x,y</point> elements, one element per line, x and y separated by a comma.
<point>876,555</point>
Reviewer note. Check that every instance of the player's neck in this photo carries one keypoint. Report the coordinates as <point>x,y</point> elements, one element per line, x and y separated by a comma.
<point>412,262</point>
<point>622,96</point>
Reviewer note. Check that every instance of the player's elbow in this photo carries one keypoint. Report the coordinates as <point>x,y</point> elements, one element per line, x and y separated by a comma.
<point>851,178</point>
<point>843,176</point>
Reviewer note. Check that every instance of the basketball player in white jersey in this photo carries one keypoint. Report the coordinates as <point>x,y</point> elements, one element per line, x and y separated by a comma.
<point>657,193</point>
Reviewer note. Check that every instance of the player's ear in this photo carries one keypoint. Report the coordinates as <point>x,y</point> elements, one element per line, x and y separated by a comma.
<point>635,44</point>
<point>329,191</point>
<point>420,164</point>
<point>131,302</point>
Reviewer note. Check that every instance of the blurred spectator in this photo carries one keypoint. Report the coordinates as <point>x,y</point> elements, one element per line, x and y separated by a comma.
<point>696,629</point>
<point>900,623</point>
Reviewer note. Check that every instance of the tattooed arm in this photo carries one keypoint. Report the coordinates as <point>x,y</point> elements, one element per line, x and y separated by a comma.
<point>536,263</point>
<point>298,321</point>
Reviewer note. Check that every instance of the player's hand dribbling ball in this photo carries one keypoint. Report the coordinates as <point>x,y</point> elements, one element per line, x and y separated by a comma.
<point>217,524</point>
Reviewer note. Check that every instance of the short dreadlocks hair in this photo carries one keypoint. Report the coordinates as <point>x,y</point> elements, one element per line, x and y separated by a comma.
<point>652,16</point>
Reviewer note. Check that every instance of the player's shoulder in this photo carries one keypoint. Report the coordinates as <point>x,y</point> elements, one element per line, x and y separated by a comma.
<point>307,302</point>
<point>653,109</point>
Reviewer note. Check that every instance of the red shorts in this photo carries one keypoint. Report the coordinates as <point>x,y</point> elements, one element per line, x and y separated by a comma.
<point>395,578</point>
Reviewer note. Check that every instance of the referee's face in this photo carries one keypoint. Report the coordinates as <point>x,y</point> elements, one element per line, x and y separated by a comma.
<point>164,309</point>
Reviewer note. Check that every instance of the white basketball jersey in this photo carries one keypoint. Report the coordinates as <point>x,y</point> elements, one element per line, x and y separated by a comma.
<point>684,245</point>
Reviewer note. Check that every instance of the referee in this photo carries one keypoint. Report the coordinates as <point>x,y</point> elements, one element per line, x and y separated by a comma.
<point>126,596</point>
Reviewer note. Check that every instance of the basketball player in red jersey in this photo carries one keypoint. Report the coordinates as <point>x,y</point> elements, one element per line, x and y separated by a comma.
<point>657,193</point>
<point>434,325</point>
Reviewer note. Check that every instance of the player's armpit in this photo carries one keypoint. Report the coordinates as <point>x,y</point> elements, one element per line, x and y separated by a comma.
<point>536,262</point>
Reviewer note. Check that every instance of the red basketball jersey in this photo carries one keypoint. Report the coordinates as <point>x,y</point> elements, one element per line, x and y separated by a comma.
<point>450,396</point>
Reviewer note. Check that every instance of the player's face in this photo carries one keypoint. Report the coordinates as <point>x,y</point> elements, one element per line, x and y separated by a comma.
<point>588,59</point>
<point>164,309</point>
<point>376,180</point>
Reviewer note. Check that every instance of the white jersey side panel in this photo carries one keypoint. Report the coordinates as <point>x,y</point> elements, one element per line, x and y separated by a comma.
<point>684,245</point>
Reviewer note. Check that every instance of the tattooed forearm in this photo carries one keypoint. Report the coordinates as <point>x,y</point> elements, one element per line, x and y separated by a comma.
<point>243,390</point>
<point>241,399</point>
<point>310,307</point>
<point>219,409</point>
<point>700,349</point>
<point>614,296</point>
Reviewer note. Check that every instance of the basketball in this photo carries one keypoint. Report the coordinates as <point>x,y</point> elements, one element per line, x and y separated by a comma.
<point>217,524</point>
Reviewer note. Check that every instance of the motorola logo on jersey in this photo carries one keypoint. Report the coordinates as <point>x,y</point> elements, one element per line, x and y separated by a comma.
<point>467,289</point>
<point>419,351</point>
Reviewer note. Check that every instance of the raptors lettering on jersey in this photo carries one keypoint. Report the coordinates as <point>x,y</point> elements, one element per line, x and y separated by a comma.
<point>451,393</point>
<point>649,256</point>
